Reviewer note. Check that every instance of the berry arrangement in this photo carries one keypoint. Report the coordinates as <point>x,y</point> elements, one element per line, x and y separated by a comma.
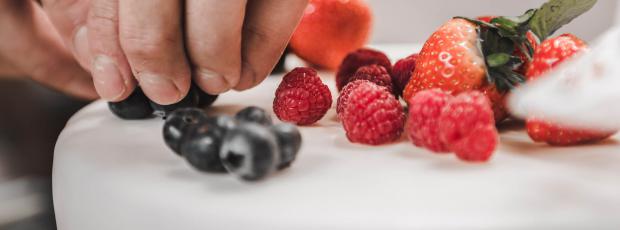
<point>455,87</point>
<point>453,91</point>
<point>247,145</point>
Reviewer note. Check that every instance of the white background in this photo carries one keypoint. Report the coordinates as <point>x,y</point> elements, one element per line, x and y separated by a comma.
<point>406,21</point>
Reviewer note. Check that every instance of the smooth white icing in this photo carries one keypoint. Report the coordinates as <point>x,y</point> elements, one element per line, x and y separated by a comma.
<point>114,174</point>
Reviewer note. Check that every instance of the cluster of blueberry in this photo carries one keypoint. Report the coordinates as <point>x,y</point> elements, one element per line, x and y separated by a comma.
<point>247,145</point>
<point>137,106</point>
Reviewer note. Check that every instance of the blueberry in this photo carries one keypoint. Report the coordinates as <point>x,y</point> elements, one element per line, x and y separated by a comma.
<point>189,101</point>
<point>177,125</point>
<point>201,147</point>
<point>289,142</point>
<point>250,151</point>
<point>224,122</point>
<point>254,114</point>
<point>135,107</point>
<point>205,100</point>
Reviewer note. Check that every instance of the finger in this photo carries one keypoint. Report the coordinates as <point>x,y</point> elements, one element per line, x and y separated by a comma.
<point>8,69</point>
<point>267,29</point>
<point>213,29</point>
<point>69,18</point>
<point>151,38</point>
<point>40,52</point>
<point>111,71</point>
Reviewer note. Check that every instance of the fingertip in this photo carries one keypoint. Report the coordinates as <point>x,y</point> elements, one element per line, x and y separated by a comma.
<point>108,80</point>
<point>248,78</point>
<point>163,90</point>
<point>211,82</point>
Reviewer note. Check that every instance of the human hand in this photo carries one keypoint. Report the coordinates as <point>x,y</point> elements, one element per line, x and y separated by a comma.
<point>162,44</point>
<point>31,47</point>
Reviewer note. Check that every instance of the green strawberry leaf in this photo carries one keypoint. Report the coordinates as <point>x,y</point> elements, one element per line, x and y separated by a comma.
<point>497,59</point>
<point>556,13</point>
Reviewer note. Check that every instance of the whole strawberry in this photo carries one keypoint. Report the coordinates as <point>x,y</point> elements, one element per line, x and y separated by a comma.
<point>553,52</point>
<point>468,54</point>
<point>302,98</point>
<point>330,29</point>
<point>548,55</point>
<point>450,61</point>
<point>357,59</point>
<point>372,116</point>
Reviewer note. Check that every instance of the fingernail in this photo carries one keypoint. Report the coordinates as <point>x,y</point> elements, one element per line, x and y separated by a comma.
<point>108,80</point>
<point>80,45</point>
<point>160,89</point>
<point>212,82</point>
<point>248,79</point>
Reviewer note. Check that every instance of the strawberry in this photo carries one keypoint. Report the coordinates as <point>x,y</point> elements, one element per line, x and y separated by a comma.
<point>330,29</point>
<point>552,52</point>
<point>468,54</point>
<point>450,60</point>
<point>547,56</point>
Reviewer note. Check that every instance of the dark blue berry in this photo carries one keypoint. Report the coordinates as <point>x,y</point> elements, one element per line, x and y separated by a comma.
<point>189,101</point>
<point>204,99</point>
<point>250,151</point>
<point>201,147</point>
<point>135,107</point>
<point>223,122</point>
<point>178,124</point>
<point>255,115</point>
<point>289,142</point>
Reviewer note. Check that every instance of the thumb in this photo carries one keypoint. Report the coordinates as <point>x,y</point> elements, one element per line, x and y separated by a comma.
<point>39,51</point>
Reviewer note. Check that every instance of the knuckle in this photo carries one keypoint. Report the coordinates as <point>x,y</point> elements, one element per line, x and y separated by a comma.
<point>261,33</point>
<point>103,14</point>
<point>141,44</point>
<point>60,3</point>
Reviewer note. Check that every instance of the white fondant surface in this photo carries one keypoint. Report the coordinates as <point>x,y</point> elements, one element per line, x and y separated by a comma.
<point>114,174</point>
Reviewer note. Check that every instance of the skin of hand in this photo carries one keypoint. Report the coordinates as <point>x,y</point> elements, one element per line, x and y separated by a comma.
<point>31,47</point>
<point>163,44</point>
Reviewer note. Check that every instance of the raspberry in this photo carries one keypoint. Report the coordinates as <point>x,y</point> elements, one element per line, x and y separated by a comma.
<point>376,74</point>
<point>422,124</point>
<point>478,145</point>
<point>343,99</point>
<point>357,59</point>
<point>462,115</point>
<point>373,115</point>
<point>302,98</point>
<point>402,71</point>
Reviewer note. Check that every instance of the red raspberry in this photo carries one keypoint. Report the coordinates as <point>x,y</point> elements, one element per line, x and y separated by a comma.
<point>478,145</point>
<point>422,124</point>
<point>343,99</point>
<point>376,74</point>
<point>402,71</point>
<point>357,59</point>
<point>462,114</point>
<point>373,115</point>
<point>302,98</point>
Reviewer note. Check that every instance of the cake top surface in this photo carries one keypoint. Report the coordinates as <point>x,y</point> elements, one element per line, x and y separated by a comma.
<point>109,169</point>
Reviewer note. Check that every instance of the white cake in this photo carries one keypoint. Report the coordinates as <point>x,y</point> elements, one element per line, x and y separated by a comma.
<point>115,174</point>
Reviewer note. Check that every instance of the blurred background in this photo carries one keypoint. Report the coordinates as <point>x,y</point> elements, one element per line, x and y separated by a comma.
<point>32,116</point>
